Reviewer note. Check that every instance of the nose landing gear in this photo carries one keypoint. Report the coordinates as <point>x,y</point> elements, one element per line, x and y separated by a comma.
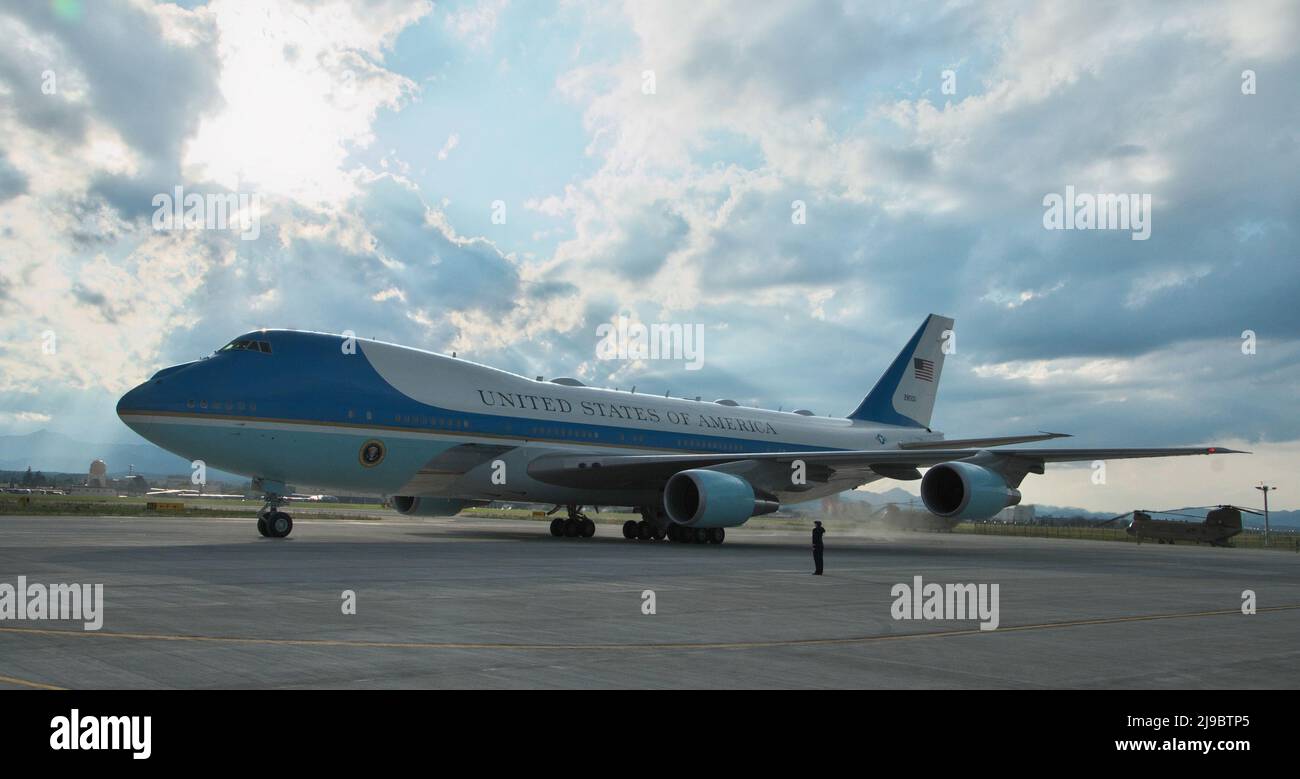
<point>271,522</point>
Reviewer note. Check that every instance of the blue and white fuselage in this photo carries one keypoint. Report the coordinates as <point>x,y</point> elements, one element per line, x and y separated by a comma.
<point>301,410</point>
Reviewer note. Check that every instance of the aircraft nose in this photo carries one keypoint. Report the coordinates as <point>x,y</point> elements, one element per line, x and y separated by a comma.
<point>133,402</point>
<point>150,396</point>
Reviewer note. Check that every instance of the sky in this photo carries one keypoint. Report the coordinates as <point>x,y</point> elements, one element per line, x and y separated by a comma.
<point>806,180</point>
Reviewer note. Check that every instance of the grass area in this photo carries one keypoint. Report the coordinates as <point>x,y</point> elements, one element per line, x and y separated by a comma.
<point>1248,539</point>
<point>619,517</point>
<point>101,506</point>
<point>96,505</point>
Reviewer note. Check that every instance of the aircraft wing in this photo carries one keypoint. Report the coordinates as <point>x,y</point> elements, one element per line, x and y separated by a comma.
<point>653,470</point>
<point>980,443</point>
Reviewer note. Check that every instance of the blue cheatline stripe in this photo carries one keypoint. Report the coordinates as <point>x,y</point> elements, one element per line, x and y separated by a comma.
<point>308,380</point>
<point>878,405</point>
<point>467,425</point>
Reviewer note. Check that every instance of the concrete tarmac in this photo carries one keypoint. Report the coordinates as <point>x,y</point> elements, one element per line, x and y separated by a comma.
<point>482,603</point>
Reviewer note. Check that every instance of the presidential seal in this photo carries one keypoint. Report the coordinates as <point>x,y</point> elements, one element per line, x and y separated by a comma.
<point>372,453</point>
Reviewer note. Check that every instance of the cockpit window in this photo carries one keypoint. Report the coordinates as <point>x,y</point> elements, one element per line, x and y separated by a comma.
<point>247,345</point>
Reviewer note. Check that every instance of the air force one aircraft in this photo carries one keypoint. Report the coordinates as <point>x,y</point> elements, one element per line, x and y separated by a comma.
<point>440,433</point>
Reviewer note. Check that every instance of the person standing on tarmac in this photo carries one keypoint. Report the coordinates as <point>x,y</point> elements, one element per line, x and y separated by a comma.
<point>818,532</point>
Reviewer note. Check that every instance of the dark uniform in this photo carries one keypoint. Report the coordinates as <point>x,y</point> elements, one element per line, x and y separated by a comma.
<point>818,532</point>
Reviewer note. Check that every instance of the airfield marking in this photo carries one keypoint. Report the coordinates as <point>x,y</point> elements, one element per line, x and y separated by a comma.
<point>26,683</point>
<point>775,643</point>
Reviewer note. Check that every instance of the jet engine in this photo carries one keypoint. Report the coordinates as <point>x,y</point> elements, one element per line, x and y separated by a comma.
<point>705,498</point>
<point>428,507</point>
<point>966,491</point>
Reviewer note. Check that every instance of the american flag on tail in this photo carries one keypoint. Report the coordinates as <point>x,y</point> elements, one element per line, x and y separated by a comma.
<point>923,369</point>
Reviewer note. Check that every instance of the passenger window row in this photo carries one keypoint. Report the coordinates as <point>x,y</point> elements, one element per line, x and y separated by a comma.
<point>715,446</point>
<point>561,432</point>
<point>420,419</point>
<point>221,405</point>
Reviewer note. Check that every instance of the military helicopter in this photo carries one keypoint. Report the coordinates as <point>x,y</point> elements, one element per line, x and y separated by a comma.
<point>1219,525</point>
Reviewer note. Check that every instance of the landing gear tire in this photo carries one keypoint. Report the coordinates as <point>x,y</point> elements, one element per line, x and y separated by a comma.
<point>575,525</point>
<point>629,530</point>
<point>701,535</point>
<point>643,530</point>
<point>716,535</point>
<point>271,521</point>
<point>279,525</point>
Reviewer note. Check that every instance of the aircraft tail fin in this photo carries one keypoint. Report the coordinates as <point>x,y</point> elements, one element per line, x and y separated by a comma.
<point>905,394</point>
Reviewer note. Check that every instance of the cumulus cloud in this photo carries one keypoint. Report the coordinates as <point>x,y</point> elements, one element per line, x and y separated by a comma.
<point>452,142</point>
<point>475,23</point>
<point>794,177</point>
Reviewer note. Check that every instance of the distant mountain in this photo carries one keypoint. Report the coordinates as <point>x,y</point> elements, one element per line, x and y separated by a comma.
<point>1277,519</point>
<point>1283,519</point>
<point>1044,510</point>
<point>53,452</point>
<point>892,495</point>
<point>860,499</point>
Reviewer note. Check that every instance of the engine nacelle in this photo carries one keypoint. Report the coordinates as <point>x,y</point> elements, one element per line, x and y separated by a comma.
<point>428,507</point>
<point>966,491</point>
<point>704,498</point>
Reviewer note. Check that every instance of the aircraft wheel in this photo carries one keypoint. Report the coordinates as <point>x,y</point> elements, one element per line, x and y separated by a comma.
<point>261,526</point>
<point>279,525</point>
<point>701,535</point>
<point>661,533</point>
<point>716,535</point>
<point>643,530</point>
<point>629,529</point>
<point>557,527</point>
<point>587,528</point>
<point>570,528</point>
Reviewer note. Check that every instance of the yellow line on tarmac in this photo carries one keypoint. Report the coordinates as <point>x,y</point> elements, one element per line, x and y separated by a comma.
<point>25,683</point>
<point>762,644</point>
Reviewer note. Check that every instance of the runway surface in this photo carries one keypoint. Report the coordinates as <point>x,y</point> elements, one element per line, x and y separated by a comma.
<point>199,603</point>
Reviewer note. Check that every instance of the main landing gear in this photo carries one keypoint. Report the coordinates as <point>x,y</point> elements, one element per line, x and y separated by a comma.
<point>271,522</point>
<point>575,525</point>
<point>655,526</point>
<point>644,531</point>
